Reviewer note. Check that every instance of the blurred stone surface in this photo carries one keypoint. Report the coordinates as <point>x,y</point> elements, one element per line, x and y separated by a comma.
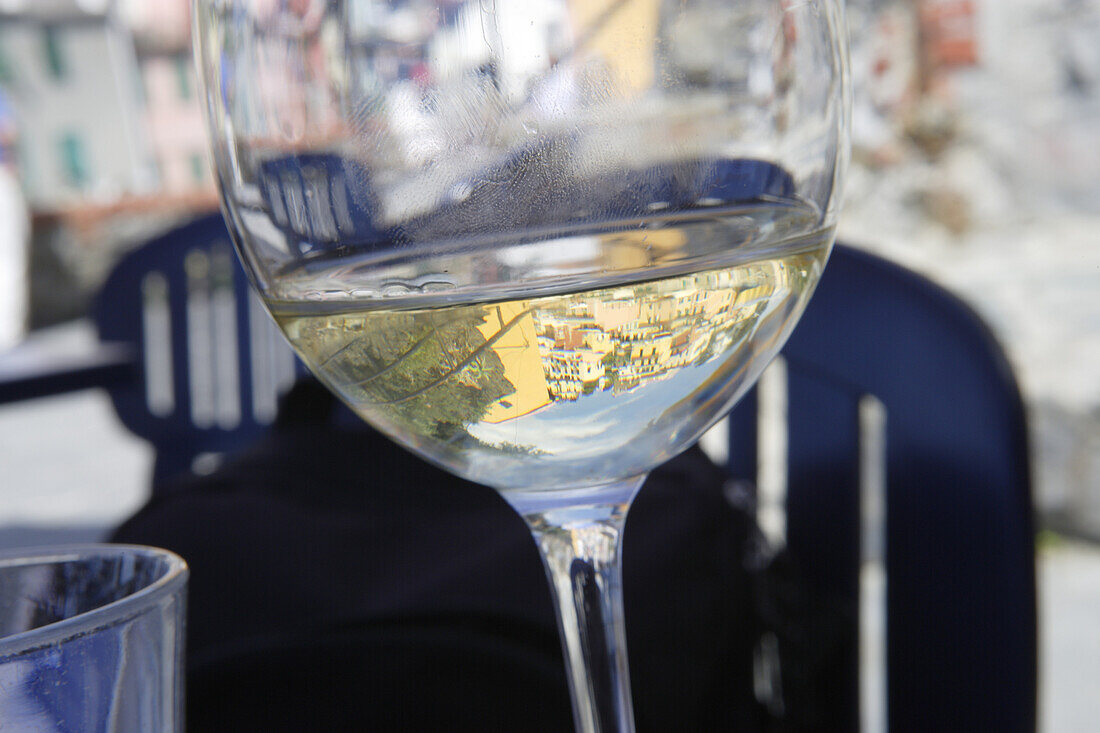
<point>1069,637</point>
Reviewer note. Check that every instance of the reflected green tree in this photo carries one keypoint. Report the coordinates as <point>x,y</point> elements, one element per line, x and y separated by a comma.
<point>436,374</point>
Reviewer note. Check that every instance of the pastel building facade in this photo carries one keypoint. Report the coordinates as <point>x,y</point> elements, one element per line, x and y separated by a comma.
<point>71,75</point>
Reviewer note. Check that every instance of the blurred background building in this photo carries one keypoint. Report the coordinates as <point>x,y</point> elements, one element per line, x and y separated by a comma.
<point>64,60</point>
<point>105,134</point>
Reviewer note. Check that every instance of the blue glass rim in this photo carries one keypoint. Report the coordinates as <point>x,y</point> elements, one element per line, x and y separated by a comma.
<point>170,582</point>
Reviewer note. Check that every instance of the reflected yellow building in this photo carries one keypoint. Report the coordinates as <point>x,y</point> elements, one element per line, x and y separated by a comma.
<point>634,249</point>
<point>619,339</point>
<point>623,36</point>
<point>518,351</point>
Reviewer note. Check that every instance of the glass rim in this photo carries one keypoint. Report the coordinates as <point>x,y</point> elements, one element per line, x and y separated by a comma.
<point>168,583</point>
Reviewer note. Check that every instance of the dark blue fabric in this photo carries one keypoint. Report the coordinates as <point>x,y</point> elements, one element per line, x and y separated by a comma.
<point>338,582</point>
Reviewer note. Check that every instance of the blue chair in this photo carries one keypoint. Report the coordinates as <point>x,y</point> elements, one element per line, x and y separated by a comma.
<point>211,362</point>
<point>946,452</point>
<point>190,359</point>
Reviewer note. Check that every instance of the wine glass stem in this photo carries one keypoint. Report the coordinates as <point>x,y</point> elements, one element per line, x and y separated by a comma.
<point>579,544</point>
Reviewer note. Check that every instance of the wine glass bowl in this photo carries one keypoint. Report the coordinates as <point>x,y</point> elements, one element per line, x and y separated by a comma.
<point>543,244</point>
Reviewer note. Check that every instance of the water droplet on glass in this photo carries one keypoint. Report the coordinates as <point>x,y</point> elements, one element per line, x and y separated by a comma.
<point>437,286</point>
<point>394,289</point>
<point>531,128</point>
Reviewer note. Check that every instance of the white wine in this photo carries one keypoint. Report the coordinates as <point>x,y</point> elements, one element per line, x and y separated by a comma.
<point>568,389</point>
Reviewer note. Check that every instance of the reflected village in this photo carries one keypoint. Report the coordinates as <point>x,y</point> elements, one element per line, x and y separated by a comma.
<point>519,357</point>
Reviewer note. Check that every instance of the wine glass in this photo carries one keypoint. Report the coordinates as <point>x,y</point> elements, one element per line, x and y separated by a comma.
<point>544,244</point>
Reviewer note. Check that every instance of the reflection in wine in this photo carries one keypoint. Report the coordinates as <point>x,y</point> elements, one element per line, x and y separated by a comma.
<point>519,393</point>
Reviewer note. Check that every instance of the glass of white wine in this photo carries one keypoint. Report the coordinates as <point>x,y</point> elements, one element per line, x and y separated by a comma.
<point>544,244</point>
